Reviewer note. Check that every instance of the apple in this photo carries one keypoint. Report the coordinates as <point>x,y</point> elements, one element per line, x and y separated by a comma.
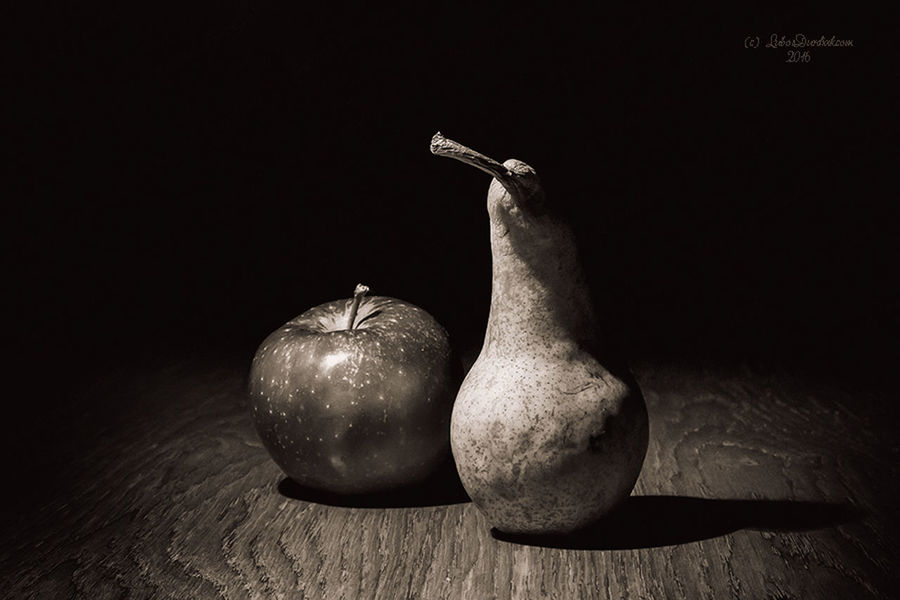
<point>354,396</point>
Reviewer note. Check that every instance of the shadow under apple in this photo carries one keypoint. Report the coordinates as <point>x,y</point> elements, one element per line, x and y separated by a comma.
<point>441,487</point>
<point>653,521</point>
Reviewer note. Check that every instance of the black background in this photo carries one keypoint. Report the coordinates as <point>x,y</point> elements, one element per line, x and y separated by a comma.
<point>187,178</point>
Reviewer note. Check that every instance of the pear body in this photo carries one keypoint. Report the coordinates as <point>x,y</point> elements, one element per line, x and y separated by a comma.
<point>546,438</point>
<point>547,443</point>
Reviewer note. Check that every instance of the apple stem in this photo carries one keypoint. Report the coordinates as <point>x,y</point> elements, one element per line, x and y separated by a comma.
<point>360,291</point>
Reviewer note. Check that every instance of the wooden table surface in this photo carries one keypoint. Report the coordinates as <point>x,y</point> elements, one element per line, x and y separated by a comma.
<point>757,484</point>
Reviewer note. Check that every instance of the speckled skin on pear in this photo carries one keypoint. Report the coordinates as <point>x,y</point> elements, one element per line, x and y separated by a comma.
<point>355,411</point>
<point>545,438</point>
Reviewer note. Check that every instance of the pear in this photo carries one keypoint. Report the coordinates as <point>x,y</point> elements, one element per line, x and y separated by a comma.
<point>546,439</point>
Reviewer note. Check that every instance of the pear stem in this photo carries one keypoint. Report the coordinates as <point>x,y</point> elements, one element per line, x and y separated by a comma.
<point>360,291</point>
<point>441,146</point>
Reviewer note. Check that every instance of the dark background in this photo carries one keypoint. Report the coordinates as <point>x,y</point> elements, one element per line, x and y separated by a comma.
<point>187,178</point>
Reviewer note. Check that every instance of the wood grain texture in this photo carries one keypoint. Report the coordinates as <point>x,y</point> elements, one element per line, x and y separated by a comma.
<point>756,485</point>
